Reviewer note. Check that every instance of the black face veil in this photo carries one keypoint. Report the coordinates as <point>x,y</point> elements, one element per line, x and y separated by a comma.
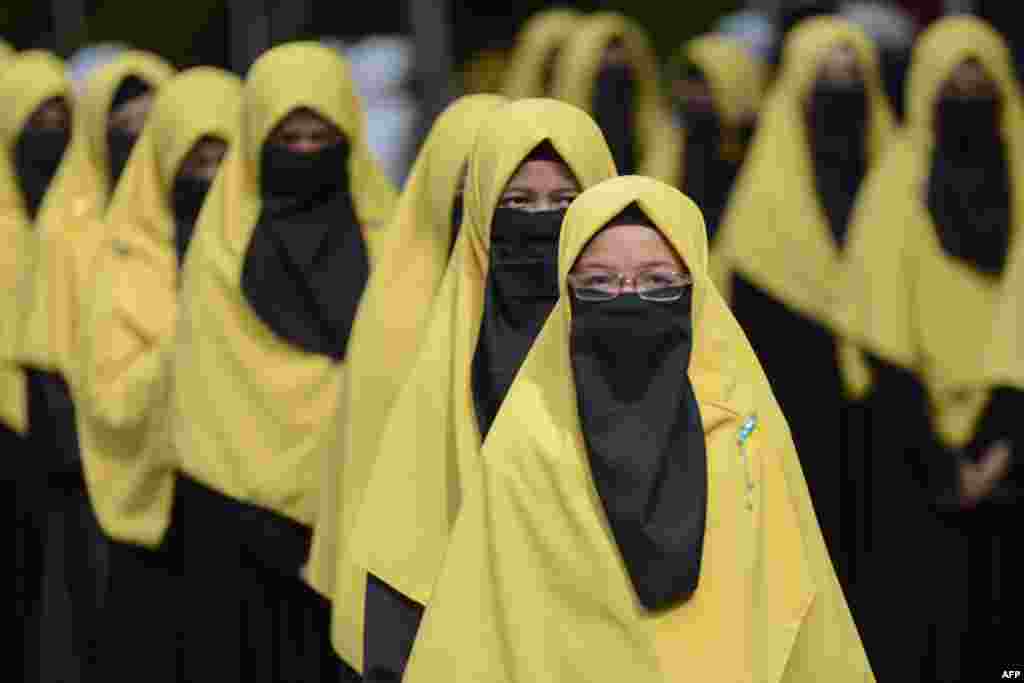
<point>307,262</point>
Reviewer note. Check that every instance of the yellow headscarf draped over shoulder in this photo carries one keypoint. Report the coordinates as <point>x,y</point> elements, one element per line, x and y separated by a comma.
<point>6,51</point>
<point>905,300</point>
<point>432,434</point>
<point>658,140</point>
<point>532,538</point>
<point>69,230</point>
<point>127,327</point>
<point>251,411</point>
<point>385,336</point>
<point>1004,362</point>
<point>540,37</point>
<point>26,81</point>
<point>774,231</point>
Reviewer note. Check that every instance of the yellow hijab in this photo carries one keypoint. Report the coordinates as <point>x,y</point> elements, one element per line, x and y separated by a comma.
<point>6,51</point>
<point>533,566</point>
<point>542,34</point>
<point>1004,362</point>
<point>26,81</point>
<point>385,336</point>
<point>69,233</point>
<point>658,141</point>
<point>128,323</point>
<point>251,411</point>
<point>774,231</point>
<point>432,434</point>
<point>904,299</point>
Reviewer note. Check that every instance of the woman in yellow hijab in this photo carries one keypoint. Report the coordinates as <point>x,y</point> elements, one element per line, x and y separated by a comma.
<point>928,248</point>
<point>824,125</point>
<point>530,159</point>
<point>638,511</point>
<point>385,336</point>
<point>716,86</point>
<point>531,69</point>
<point>608,68</point>
<point>121,398</point>
<point>281,255</point>
<point>35,130</point>
<point>58,248</point>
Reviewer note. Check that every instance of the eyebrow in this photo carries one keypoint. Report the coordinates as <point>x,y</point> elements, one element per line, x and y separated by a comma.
<point>600,265</point>
<point>531,191</point>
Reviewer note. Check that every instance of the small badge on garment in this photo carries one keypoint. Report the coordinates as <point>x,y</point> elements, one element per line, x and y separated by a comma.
<point>748,427</point>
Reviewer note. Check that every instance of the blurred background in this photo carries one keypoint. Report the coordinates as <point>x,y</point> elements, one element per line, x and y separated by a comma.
<point>412,57</point>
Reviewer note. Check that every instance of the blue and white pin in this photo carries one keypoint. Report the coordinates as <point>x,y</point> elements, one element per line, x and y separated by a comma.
<point>748,427</point>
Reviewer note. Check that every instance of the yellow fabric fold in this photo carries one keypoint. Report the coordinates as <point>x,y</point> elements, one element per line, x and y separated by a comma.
<point>69,228</point>
<point>432,435</point>
<point>127,332</point>
<point>659,142</point>
<point>541,35</point>
<point>385,336</point>
<point>533,566</point>
<point>903,298</point>
<point>251,411</point>
<point>1004,360</point>
<point>26,81</point>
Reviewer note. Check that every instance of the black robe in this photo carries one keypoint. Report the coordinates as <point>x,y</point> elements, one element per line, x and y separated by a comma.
<point>933,598</point>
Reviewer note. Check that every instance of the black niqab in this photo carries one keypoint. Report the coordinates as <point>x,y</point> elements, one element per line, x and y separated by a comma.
<point>837,133</point>
<point>187,196</point>
<point>307,262</point>
<point>969,193</point>
<point>644,436</point>
<point>521,291</point>
<point>614,105</point>
<point>37,156</point>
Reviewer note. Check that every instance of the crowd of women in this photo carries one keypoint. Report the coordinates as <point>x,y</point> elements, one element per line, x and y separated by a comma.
<point>719,381</point>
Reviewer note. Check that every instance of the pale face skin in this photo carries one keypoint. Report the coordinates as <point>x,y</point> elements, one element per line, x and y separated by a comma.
<point>204,159</point>
<point>130,117</point>
<point>54,114</point>
<point>305,132</point>
<point>840,66</point>
<point>629,250</point>
<point>540,185</point>
<point>970,79</point>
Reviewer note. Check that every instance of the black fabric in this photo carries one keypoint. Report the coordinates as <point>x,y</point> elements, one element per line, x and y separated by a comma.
<point>521,290</point>
<point>644,437</point>
<point>143,628</point>
<point>456,222</point>
<point>914,544</point>
<point>798,356</point>
<point>391,622</point>
<point>707,176</point>
<point>187,196</point>
<point>130,88</point>
<point>895,63</point>
<point>614,112</point>
<point>969,189</point>
<point>246,614</point>
<point>307,262</point>
<point>837,134</point>
<point>53,435</point>
<point>37,156</point>
<point>119,150</point>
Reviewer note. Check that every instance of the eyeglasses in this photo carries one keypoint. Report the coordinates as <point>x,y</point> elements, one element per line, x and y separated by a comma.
<point>660,286</point>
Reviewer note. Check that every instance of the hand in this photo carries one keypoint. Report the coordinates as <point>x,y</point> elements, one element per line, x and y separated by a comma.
<point>977,480</point>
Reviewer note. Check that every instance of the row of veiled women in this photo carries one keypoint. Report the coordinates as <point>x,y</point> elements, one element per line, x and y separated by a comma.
<point>504,426</point>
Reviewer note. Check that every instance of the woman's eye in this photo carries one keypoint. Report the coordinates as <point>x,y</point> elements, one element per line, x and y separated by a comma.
<point>513,201</point>
<point>597,280</point>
